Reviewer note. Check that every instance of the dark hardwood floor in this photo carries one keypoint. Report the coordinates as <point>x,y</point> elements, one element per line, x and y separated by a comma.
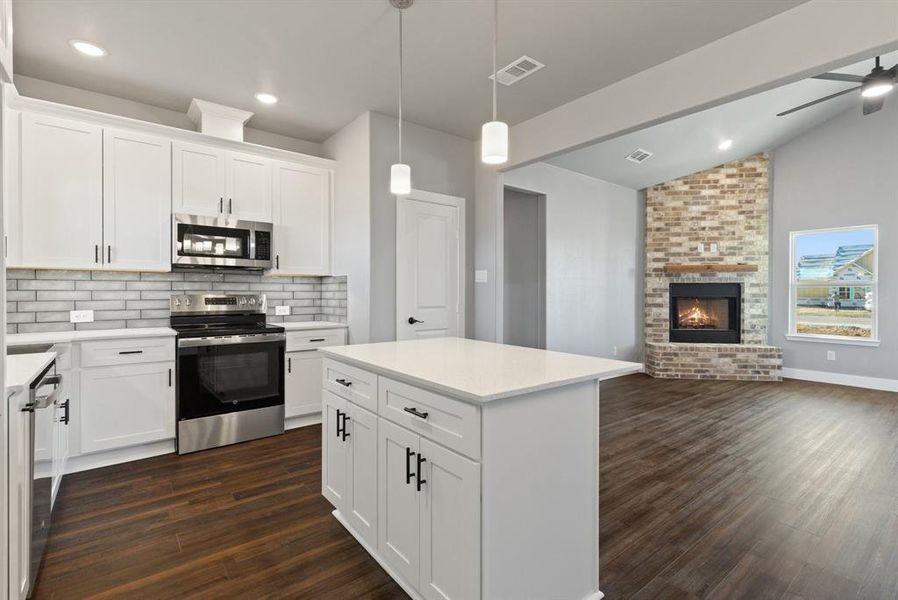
<point>708,490</point>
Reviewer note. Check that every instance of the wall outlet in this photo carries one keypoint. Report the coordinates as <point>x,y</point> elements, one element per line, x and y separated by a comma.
<point>481,276</point>
<point>81,316</point>
<point>282,311</point>
<point>830,355</point>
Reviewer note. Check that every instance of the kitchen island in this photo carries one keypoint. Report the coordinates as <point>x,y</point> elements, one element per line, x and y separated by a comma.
<point>467,469</point>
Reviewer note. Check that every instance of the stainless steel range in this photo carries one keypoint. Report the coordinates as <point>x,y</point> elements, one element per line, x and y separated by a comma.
<point>230,380</point>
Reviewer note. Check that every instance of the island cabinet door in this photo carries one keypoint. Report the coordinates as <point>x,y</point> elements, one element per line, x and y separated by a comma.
<point>361,498</point>
<point>450,525</point>
<point>333,449</point>
<point>398,513</point>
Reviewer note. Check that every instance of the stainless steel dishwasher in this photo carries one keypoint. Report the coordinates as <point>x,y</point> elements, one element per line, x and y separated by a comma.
<point>41,406</point>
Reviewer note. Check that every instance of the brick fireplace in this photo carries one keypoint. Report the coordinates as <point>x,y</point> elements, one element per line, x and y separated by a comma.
<point>706,277</point>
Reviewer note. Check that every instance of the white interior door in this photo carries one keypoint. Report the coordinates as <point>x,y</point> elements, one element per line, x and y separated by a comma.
<point>429,266</point>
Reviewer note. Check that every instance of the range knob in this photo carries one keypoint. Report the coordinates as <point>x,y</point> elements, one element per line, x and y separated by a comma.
<point>242,299</point>
<point>252,300</point>
<point>177,302</point>
<point>187,300</point>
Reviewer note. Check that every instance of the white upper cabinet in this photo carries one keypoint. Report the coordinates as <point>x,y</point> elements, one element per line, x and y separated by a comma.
<point>6,39</point>
<point>198,179</point>
<point>136,201</point>
<point>60,193</point>
<point>302,217</point>
<point>248,187</point>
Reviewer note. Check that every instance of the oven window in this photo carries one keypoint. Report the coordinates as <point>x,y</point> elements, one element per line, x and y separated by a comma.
<point>204,240</point>
<point>221,379</point>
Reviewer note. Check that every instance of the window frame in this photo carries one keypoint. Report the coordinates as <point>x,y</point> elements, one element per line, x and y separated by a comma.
<point>792,333</point>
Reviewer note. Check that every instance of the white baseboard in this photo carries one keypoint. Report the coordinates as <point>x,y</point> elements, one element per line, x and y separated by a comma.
<point>872,383</point>
<point>302,421</point>
<point>95,460</point>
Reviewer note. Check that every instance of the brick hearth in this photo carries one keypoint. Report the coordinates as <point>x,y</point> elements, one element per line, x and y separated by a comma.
<point>727,205</point>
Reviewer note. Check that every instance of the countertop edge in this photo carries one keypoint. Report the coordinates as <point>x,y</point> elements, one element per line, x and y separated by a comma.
<point>309,325</point>
<point>48,358</point>
<point>66,337</point>
<point>476,398</point>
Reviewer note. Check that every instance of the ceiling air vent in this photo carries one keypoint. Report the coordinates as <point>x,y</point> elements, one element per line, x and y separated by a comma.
<point>639,156</point>
<point>518,70</point>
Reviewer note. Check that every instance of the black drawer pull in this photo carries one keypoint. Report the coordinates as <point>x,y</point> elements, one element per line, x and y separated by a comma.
<point>409,453</point>
<point>420,482</point>
<point>414,411</point>
<point>339,419</point>
<point>345,433</point>
<point>343,382</point>
<point>131,352</point>
<point>317,340</point>
<point>65,417</point>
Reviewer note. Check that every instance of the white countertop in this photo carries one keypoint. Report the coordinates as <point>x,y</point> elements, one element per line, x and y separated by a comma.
<point>21,369</point>
<point>62,337</point>
<point>307,325</point>
<point>478,371</point>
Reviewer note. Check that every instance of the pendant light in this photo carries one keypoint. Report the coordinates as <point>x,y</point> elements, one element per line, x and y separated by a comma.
<point>400,173</point>
<point>494,135</point>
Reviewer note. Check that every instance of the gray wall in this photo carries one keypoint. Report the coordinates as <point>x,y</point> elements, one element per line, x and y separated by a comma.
<point>63,94</point>
<point>440,163</point>
<point>525,270</point>
<point>593,265</point>
<point>841,173</point>
<point>41,300</point>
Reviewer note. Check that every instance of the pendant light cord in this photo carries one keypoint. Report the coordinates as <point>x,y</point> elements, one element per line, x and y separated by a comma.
<point>400,85</point>
<point>495,50</point>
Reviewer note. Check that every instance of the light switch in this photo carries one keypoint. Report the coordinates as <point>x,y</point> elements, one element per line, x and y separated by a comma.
<point>81,316</point>
<point>282,311</point>
<point>481,276</point>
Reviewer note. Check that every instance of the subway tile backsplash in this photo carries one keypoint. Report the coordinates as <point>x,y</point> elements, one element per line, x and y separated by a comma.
<point>41,300</point>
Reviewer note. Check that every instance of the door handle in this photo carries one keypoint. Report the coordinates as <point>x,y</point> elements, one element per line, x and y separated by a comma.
<point>416,412</point>
<point>339,414</point>
<point>345,433</point>
<point>221,204</point>
<point>108,254</point>
<point>289,364</point>
<point>408,465</point>
<point>420,482</point>
<point>65,415</point>
<point>230,202</point>
<point>96,253</point>
<point>413,320</point>
<point>169,378</point>
<point>277,261</point>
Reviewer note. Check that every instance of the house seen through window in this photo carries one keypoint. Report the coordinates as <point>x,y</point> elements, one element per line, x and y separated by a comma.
<point>834,283</point>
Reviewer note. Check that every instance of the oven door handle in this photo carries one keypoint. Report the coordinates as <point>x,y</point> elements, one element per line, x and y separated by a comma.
<point>228,340</point>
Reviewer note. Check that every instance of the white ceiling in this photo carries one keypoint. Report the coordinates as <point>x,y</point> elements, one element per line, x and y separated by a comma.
<point>330,60</point>
<point>689,144</point>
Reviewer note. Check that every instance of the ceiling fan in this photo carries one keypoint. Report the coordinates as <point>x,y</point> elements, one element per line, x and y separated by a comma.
<point>873,86</point>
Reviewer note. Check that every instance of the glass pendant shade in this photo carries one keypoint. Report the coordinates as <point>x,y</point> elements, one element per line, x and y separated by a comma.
<point>494,143</point>
<point>400,179</point>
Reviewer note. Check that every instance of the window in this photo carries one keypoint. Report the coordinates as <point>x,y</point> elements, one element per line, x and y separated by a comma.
<point>833,284</point>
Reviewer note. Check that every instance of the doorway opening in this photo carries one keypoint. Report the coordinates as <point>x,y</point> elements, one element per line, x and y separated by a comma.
<point>524,297</point>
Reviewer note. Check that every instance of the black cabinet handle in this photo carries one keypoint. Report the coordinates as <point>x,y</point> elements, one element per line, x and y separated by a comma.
<point>131,352</point>
<point>108,254</point>
<point>409,453</point>
<point>289,364</point>
<point>169,378</point>
<point>28,407</point>
<point>317,340</point>
<point>420,482</point>
<point>339,428</point>
<point>96,253</point>
<point>230,205</point>
<point>414,411</point>
<point>343,382</point>
<point>65,414</point>
<point>220,204</point>
<point>413,320</point>
<point>346,434</point>
<point>277,261</point>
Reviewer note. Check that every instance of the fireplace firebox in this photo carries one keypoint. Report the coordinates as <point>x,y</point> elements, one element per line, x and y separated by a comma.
<point>706,313</point>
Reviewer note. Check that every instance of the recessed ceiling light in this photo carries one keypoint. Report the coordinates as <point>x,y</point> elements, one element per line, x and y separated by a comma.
<point>87,48</point>
<point>266,98</point>
<point>725,145</point>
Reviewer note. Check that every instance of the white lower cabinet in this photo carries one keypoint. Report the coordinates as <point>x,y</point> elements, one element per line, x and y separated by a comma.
<point>302,384</point>
<point>414,503</point>
<point>125,405</point>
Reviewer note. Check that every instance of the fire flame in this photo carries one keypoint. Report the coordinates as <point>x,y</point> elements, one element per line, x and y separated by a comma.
<point>697,318</point>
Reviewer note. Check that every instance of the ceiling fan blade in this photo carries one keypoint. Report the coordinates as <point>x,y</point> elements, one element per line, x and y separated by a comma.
<point>840,77</point>
<point>871,105</point>
<point>818,101</point>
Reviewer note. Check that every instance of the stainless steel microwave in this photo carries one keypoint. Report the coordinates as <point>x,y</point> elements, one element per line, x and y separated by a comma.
<point>199,241</point>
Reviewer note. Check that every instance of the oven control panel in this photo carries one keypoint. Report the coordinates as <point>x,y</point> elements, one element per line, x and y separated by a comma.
<point>218,303</point>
